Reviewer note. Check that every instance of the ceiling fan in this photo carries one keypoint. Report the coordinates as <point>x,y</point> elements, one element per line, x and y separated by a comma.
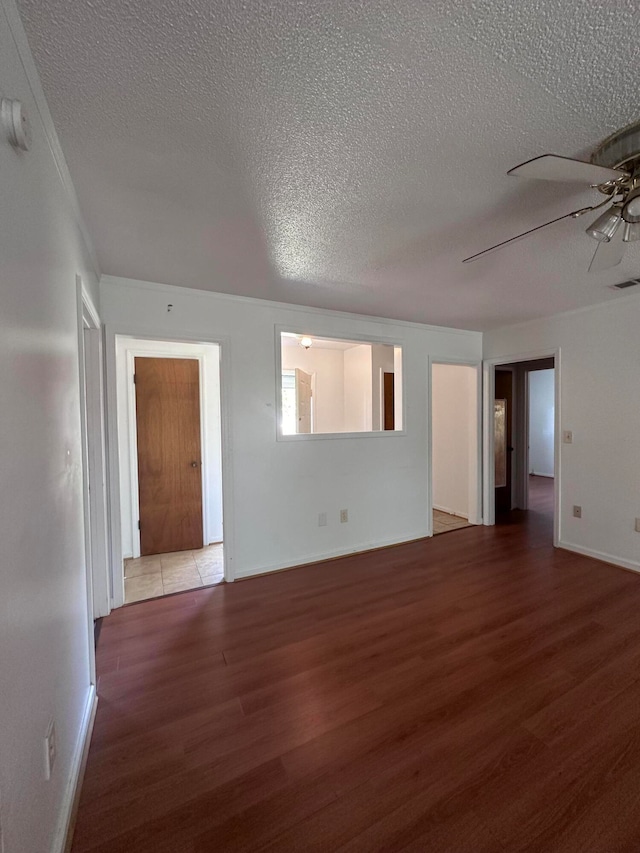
<point>614,171</point>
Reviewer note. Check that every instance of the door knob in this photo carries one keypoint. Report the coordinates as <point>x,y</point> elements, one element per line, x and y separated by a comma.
<point>194,464</point>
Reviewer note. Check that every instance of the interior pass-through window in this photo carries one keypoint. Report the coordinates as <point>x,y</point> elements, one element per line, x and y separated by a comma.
<point>332,385</point>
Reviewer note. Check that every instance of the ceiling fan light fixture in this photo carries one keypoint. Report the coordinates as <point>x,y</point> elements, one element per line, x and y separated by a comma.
<point>606,224</point>
<point>631,207</point>
<point>631,232</point>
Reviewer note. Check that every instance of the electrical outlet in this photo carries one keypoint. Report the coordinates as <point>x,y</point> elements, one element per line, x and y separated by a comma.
<point>637,525</point>
<point>49,750</point>
<point>322,519</point>
<point>344,516</point>
<point>577,511</point>
<point>567,436</point>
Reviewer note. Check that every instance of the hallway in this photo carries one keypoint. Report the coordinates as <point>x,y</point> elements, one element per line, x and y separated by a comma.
<point>541,494</point>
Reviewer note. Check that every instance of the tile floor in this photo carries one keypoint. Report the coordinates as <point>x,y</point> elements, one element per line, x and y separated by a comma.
<point>162,574</point>
<point>443,522</point>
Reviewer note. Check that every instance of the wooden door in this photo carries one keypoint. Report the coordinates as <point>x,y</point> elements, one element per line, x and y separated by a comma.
<point>504,391</point>
<point>388,388</point>
<point>303,401</point>
<point>169,455</point>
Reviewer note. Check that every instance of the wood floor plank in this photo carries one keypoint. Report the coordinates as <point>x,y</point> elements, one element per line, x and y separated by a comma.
<point>543,809</point>
<point>171,809</point>
<point>474,692</point>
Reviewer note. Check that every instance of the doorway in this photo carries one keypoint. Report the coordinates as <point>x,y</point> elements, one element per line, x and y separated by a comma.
<point>170,451</point>
<point>523,439</point>
<point>503,432</point>
<point>540,396</point>
<point>455,446</point>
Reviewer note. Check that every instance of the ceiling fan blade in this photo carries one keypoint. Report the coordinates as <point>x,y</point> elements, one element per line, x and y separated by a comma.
<point>608,255</point>
<point>573,213</point>
<point>553,167</point>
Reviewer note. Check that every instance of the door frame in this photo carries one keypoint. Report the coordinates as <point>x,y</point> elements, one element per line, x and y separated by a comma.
<point>489,366</point>
<point>94,496</point>
<point>223,341</point>
<point>132,424</point>
<point>460,362</point>
<point>91,358</point>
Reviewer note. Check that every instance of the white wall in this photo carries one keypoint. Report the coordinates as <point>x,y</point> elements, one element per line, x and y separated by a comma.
<point>600,403</point>
<point>358,389</point>
<point>278,488</point>
<point>454,438</point>
<point>327,367</point>
<point>541,420</point>
<point>44,625</point>
<point>212,456</point>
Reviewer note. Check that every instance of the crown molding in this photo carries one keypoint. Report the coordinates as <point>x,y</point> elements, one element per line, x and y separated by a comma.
<point>132,283</point>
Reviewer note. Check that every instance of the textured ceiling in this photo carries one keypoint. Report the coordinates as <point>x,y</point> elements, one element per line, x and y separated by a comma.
<point>341,153</point>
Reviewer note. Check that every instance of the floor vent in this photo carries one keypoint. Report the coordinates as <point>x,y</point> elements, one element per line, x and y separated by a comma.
<point>633,282</point>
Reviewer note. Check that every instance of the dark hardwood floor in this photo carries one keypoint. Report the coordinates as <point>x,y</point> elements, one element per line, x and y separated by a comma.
<point>476,692</point>
<point>541,494</point>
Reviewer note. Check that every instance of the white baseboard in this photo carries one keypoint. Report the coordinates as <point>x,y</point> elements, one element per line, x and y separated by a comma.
<point>329,555</point>
<point>64,835</point>
<point>450,511</point>
<point>600,555</point>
